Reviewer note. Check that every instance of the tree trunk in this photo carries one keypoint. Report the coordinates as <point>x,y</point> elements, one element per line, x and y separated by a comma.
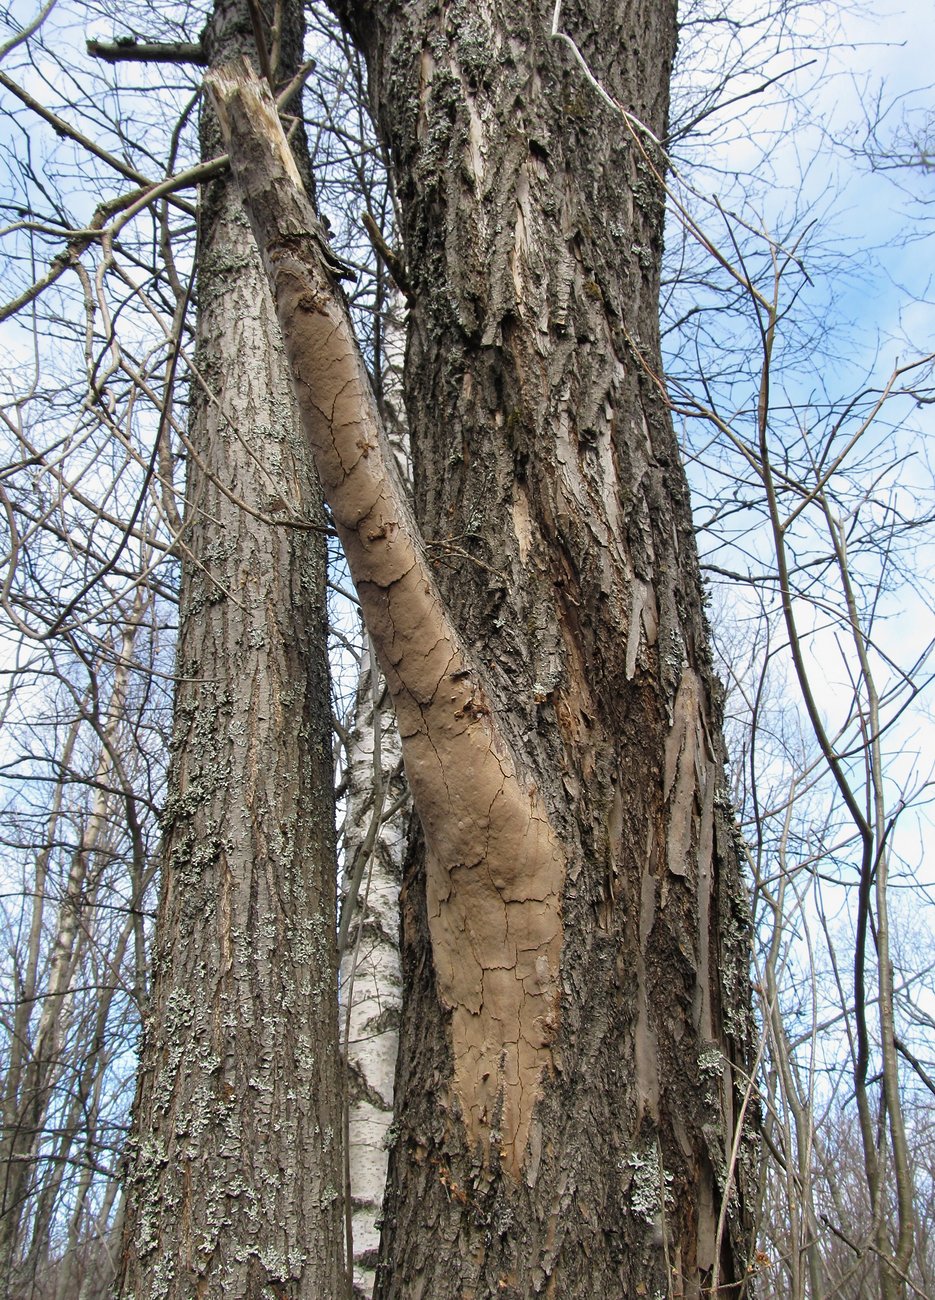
<point>577,1035</point>
<point>374,839</point>
<point>235,1165</point>
<point>532,221</point>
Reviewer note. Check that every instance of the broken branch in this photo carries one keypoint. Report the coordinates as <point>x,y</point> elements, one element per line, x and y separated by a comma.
<point>495,868</point>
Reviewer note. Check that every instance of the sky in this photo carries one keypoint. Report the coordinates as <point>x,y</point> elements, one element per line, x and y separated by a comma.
<point>799,162</point>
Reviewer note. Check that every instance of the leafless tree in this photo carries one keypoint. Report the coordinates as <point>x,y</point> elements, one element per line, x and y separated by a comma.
<point>810,511</point>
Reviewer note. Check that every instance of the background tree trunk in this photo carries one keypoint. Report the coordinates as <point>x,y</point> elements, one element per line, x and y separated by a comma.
<point>377,809</point>
<point>235,1168</point>
<point>549,487</point>
<point>41,1058</point>
<point>374,838</point>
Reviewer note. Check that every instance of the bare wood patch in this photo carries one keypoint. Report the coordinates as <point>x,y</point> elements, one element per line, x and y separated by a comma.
<point>496,868</point>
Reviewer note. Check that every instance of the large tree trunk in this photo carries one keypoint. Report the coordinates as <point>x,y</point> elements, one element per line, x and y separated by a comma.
<point>532,221</point>
<point>235,1166</point>
<point>576,1030</point>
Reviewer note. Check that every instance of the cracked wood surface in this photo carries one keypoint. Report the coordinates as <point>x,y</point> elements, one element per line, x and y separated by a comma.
<point>495,865</point>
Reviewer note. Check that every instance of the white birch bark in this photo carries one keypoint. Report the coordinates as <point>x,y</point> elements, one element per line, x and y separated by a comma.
<point>377,805</point>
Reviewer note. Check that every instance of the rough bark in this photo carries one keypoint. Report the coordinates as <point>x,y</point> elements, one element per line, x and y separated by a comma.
<point>569,1081</point>
<point>235,1168</point>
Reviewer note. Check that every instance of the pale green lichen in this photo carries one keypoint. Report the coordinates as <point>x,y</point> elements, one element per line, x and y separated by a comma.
<point>646,1186</point>
<point>710,1061</point>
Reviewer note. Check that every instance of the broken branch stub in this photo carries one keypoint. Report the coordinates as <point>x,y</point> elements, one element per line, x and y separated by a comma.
<point>495,867</point>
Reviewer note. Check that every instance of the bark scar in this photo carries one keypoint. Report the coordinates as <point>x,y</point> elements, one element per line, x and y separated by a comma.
<point>495,866</point>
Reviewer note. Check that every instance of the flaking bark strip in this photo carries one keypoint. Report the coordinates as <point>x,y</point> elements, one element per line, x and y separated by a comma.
<point>495,865</point>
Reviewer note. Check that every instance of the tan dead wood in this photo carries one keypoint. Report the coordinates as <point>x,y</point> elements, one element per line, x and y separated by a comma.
<point>495,865</point>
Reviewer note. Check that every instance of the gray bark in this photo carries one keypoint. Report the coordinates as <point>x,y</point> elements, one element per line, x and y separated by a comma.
<point>234,1166</point>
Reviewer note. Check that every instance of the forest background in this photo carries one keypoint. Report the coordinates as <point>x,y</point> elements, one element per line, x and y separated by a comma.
<point>798,246</point>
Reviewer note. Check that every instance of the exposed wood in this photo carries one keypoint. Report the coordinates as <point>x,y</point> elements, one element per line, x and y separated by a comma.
<point>496,867</point>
